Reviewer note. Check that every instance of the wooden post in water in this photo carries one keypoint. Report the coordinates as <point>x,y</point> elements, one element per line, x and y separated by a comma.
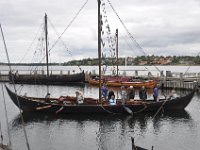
<point>133,144</point>
<point>117,51</point>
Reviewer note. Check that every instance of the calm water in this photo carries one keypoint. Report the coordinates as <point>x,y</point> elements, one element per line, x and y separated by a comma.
<point>174,131</point>
<point>129,70</point>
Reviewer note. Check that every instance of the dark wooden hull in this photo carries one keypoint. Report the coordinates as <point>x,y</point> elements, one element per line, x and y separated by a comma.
<point>4,147</point>
<point>91,105</point>
<point>51,80</point>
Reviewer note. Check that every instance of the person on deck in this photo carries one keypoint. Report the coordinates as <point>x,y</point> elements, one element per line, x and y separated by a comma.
<point>155,93</point>
<point>123,95</point>
<point>61,99</point>
<point>112,101</point>
<point>131,92</point>
<point>79,97</point>
<point>110,94</point>
<point>47,98</point>
<point>172,95</point>
<point>142,94</point>
<point>104,91</point>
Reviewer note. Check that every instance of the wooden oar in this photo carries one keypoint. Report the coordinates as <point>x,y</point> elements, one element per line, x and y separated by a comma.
<point>43,107</point>
<point>59,110</point>
<point>128,110</point>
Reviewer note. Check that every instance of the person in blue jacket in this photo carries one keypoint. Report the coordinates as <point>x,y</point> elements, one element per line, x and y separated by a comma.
<point>155,93</point>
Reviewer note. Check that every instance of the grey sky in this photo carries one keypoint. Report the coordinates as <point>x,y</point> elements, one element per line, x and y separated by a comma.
<point>160,27</point>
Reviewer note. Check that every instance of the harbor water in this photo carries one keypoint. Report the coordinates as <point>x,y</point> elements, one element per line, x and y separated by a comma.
<point>168,131</point>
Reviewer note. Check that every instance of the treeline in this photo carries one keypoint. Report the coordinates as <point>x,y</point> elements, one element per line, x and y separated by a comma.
<point>140,60</point>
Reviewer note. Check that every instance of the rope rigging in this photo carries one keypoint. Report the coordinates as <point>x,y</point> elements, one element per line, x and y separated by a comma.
<point>29,47</point>
<point>63,43</point>
<point>189,66</point>
<point>76,15</point>
<point>22,119</point>
<point>129,34</point>
<point>73,19</point>
<point>111,40</point>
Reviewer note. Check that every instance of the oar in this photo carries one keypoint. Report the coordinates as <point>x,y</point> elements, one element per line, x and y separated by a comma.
<point>59,110</point>
<point>43,107</point>
<point>159,109</point>
<point>128,110</point>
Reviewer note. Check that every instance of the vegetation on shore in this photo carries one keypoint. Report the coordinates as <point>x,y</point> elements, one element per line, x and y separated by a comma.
<point>140,60</point>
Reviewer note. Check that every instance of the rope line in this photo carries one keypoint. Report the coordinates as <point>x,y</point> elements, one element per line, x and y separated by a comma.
<point>76,15</point>
<point>189,66</point>
<point>22,119</point>
<point>29,48</point>
<point>129,34</point>
<point>62,41</point>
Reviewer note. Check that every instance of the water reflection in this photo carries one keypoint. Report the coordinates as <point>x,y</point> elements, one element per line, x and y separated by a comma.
<point>129,120</point>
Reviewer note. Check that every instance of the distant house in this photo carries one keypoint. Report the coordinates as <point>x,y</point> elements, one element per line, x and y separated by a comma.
<point>143,62</point>
<point>164,61</point>
<point>130,60</point>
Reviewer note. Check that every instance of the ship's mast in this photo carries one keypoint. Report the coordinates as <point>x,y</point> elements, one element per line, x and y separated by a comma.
<point>117,51</point>
<point>99,47</point>
<point>46,44</point>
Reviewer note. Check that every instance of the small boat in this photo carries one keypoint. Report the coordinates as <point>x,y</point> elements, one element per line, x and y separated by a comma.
<point>134,147</point>
<point>91,105</point>
<point>117,82</point>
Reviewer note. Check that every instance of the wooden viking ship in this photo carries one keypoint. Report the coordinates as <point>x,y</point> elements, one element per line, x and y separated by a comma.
<point>46,78</point>
<point>117,82</point>
<point>51,79</point>
<point>91,105</point>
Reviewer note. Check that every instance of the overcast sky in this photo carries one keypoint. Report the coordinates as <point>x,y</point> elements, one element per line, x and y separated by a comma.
<point>160,27</point>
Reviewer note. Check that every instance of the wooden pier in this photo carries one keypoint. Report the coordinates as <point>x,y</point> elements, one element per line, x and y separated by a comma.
<point>172,80</point>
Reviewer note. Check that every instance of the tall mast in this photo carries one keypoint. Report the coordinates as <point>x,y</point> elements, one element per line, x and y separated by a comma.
<point>99,46</point>
<point>46,42</point>
<point>117,50</point>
